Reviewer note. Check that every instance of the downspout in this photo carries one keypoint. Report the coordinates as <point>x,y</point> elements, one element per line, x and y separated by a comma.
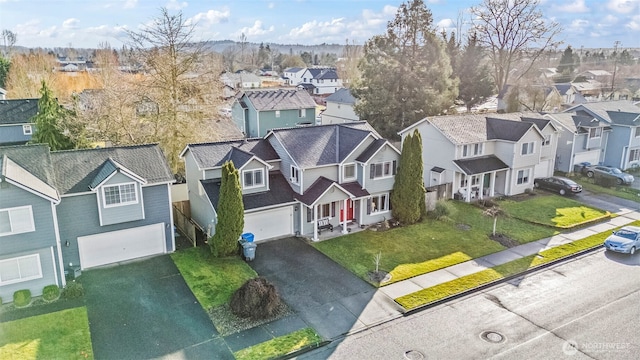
<point>56,229</point>
<point>258,122</point>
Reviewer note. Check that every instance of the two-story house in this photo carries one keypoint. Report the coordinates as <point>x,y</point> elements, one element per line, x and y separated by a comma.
<point>320,81</point>
<point>483,156</point>
<point>339,108</point>
<point>297,180</point>
<point>293,75</point>
<point>16,120</point>
<point>79,209</point>
<point>256,112</point>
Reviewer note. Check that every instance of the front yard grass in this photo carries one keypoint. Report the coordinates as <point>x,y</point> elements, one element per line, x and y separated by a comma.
<point>413,250</point>
<point>553,210</point>
<point>59,335</point>
<point>280,346</point>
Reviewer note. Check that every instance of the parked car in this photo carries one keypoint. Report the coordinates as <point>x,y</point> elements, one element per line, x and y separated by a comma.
<point>558,184</point>
<point>625,240</point>
<point>609,172</point>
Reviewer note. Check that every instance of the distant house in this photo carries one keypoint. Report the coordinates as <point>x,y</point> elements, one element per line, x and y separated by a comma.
<point>529,98</point>
<point>255,112</point>
<point>293,75</point>
<point>570,96</point>
<point>16,120</point>
<point>299,180</point>
<point>241,80</point>
<point>320,81</point>
<point>78,209</point>
<point>477,156</point>
<point>339,108</point>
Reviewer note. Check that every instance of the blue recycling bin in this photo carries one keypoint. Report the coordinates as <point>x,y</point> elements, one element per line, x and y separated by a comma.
<point>248,237</point>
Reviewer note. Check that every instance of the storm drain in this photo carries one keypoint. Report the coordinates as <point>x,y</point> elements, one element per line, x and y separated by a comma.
<point>492,337</point>
<point>413,355</point>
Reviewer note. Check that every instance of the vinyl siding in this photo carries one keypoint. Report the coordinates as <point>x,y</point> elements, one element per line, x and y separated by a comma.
<point>288,118</point>
<point>311,175</point>
<point>201,211</point>
<point>285,163</point>
<point>383,184</point>
<point>13,134</point>
<point>619,139</point>
<point>563,152</point>
<point>336,113</point>
<point>253,165</point>
<point>36,285</point>
<point>124,213</point>
<point>520,160</point>
<point>436,151</point>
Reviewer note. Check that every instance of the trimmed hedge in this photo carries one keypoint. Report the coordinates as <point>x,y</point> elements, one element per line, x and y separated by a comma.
<point>51,293</point>
<point>22,298</point>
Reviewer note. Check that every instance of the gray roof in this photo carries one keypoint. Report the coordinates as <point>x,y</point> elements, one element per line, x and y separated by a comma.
<point>279,192</point>
<point>323,73</point>
<point>18,111</point>
<point>625,118</point>
<point>371,150</point>
<point>10,170</point>
<point>211,155</point>
<point>341,96</point>
<point>313,146</point>
<point>269,100</point>
<point>563,88</point>
<point>577,123</point>
<point>35,159</point>
<point>481,164</point>
<point>293,69</point>
<point>599,109</point>
<point>509,130</point>
<point>77,169</point>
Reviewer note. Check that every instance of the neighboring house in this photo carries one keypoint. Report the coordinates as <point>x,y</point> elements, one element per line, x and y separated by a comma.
<point>339,108</point>
<point>320,81</point>
<point>16,120</point>
<point>486,155</point>
<point>241,80</point>
<point>580,139</point>
<point>3,94</point>
<point>293,75</point>
<point>529,98</point>
<point>297,180</point>
<point>591,90</point>
<point>79,209</point>
<point>255,112</point>
<point>623,146</point>
<point>570,96</point>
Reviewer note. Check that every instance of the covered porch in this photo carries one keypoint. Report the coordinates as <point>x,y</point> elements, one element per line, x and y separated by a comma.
<point>479,178</point>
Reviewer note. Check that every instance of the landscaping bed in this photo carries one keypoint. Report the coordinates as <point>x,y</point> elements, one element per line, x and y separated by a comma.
<point>281,346</point>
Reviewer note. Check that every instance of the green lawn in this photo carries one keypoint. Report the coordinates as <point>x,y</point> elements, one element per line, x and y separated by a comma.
<point>553,210</point>
<point>280,346</point>
<point>212,280</point>
<point>427,246</point>
<point>59,335</point>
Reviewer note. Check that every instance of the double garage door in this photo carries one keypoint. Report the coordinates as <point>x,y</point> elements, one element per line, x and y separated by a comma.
<point>121,245</point>
<point>270,224</point>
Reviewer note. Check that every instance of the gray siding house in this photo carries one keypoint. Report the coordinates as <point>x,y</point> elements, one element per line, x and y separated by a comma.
<point>295,180</point>
<point>79,209</point>
<point>339,108</point>
<point>16,124</point>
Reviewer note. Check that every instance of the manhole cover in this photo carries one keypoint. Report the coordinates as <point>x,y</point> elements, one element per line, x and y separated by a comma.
<point>492,336</point>
<point>413,355</point>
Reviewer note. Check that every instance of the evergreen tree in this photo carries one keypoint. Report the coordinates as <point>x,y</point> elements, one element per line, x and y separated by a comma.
<point>48,122</point>
<point>418,170</point>
<point>567,64</point>
<point>230,213</point>
<point>5,63</point>
<point>408,196</point>
<point>476,83</point>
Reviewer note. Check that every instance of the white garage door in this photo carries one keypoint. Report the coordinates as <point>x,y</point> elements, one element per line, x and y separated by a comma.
<point>543,169</point>
<point>114,246</point>
<point>269,224</point>
<point>589,156</point>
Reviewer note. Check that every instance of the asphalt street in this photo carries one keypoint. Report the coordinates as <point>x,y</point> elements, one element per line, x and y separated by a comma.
<point>587,308</point>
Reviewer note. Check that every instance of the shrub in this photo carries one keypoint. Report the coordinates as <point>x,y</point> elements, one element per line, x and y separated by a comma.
<point>51,293</point>
<point>73,290</point>
<point>256,299</point>
<point>443,209</point>
<point>22,298</point>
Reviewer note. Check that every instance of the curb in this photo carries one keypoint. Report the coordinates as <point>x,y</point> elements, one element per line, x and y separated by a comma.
<point>500,281</point>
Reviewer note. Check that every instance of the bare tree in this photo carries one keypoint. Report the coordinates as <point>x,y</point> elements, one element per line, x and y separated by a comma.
<point>513,31</point>
<point>9,39</point>
<point>347,66</point>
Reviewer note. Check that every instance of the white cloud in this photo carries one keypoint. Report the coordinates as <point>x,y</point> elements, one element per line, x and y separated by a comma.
<point>577,6</point>
<point>256,30</point>
<point>634,24</point>
<point>624,6</point>
<point>445,24</point>
<point>71,23</point>
<point>578,25</point>
<point>318,29</point>
<point>176,5</point>
<point>211,17</point>
<point>130,4</point>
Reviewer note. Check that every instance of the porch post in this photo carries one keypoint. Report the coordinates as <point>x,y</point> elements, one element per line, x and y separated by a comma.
<point>315,223</point>
<point>481,192</point>
<point>492,185</point>
<point>344,216</point>
<point>468,178</point>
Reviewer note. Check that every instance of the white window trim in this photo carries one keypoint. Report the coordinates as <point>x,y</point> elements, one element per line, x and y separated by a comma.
<point>104,198</point>
<point>302,113</point>
<point>597,133</point>
<point>21,279</point>
<point>638,131</point>
<point>386,204</point>
<point>277,113</point>
<point>471,150</point>
<point>332,209</point>
<point>27,130</point>
<point>345,177</point>
<point>547,140</point>
<point>531,148</point>
<point>383,176</point>
<point>634,155</point>
<point>31,228</point>
<point>528,177</point>
<point>254,185</point>
<point>295,175</point>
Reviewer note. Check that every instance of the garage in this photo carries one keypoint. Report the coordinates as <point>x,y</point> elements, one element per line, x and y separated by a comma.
<point>543,169</point>
<point>592,157</point>
<point>121,245</point>
<point>270,224</point>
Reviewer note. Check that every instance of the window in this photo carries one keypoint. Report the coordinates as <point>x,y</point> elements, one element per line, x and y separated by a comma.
<point>349,172</point>
<point>472,149</point>
<point>302,113</point>
<point>327,210</point>
<point>638,131</point>
<point>634,155</point>
<point>523,176</point>
<point>253,178</point>
<point>27,130</point>
<point>122,194</point>
<point>295,175</point>
<point>382,170</point>
<point>16,220</point>
<point>277,113</point>
<point>377,204</point>
<point>547,140</point>
<point>528,148</point>
<point>20,269</point>
<point>595,133</point>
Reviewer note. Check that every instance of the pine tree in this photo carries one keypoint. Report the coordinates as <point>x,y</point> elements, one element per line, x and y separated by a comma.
<point>48,122</point>
<point>408,196</point>
<point>475,77</point>
<point>230,213</point>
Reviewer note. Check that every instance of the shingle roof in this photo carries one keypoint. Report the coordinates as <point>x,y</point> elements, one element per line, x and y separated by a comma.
<point>109,167</point>
<point>341,96</point>
<point>268,100</point>
<point>279,192</point>
<point>323,73</point>
<point>481,164</point>
<point>12,171</point>
<point>210,155</point>
<point>371,150</point>
<point>317,189</point>
<point>563,88</point>
<point>36,159</point>
<point>509,130</point>
<point>600,108</point>
<point>17,111</point>
<point>625,118</point>
<point>76,169</point>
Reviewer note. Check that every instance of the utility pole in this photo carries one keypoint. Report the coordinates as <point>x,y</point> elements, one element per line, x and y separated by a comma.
<point>615,66</point>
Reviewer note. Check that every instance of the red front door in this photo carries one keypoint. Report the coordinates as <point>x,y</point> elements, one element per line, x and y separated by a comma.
<point>349,211</point>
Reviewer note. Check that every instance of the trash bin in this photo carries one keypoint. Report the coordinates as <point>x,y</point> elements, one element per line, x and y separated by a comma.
<point>248,237</point>
<point>249,250</point>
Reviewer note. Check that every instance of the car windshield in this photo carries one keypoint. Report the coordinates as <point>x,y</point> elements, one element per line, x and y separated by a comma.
<point>616,171</point>
<point>570,182</point>
<point>626,234</point>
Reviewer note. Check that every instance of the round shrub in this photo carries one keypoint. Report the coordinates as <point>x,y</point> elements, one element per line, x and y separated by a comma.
<point>51,293</point>
<point>22,298</point>
<point>443,209</point>
<point>256,299</point>
<point>73,290</point>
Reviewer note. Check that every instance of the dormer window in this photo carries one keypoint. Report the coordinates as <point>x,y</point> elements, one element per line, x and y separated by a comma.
<point>295,175</point>
<point>119,195</point>
<point>253,178</point>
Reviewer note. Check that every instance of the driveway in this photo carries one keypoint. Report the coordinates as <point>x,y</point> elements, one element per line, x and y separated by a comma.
<point>326,296</point>
<point>607,202</point>
<point>144,310</point>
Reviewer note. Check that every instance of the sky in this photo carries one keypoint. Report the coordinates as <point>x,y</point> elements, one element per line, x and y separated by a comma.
<point>90,23</point>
